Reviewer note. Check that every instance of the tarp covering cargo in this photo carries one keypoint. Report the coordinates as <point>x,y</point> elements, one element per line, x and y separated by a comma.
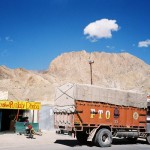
<point>68,93</point>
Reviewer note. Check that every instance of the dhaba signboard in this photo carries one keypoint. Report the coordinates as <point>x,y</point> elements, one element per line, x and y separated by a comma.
<point>26,105</point>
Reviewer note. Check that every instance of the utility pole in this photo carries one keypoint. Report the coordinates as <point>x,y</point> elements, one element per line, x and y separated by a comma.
<point>91,62</point>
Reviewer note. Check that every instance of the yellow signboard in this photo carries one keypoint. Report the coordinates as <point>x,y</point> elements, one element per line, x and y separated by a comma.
<point>20,105</point>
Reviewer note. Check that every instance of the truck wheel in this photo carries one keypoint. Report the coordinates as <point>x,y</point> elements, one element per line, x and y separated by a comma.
<point>81,137</point>
<point>103,138</point>
<point>148,138</point>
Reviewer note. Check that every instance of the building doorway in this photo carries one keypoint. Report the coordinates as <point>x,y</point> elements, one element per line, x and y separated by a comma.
<point>8,117</point>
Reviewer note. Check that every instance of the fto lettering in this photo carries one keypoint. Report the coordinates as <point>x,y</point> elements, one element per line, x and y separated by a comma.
<point>100,113</point>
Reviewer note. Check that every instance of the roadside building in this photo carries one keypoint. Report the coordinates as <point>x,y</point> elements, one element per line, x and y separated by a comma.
<point>13,111</point>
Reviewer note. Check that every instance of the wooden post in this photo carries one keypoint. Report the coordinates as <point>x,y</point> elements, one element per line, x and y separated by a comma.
<point>33,117</point>
<point>17,115</point>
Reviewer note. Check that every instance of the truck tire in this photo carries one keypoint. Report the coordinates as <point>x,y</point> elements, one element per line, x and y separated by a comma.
<point>103,138</point>
<point>148,138</point>
<point>81,137</point>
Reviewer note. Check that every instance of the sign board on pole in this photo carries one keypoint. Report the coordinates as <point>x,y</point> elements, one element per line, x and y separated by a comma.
<point>6,104</point>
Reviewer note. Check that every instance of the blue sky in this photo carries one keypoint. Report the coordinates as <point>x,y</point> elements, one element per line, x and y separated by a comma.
<point>34,32</point>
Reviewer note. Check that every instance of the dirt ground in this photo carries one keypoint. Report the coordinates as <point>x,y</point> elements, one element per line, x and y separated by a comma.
<point>51,140</point>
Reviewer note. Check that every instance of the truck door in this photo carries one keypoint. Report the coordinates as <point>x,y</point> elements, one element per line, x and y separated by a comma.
<point>148,117</point>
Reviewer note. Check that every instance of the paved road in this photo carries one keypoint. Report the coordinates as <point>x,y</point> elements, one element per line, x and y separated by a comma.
<point>51,141</point>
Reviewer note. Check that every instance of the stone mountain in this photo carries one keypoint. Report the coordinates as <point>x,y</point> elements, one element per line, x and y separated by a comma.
<point>111,70</point>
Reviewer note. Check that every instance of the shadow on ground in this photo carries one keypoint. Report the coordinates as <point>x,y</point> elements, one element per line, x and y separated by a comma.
<point>7,132</point>
<point>75,143</point>
<point>72,143</point>
<point>125,141</point>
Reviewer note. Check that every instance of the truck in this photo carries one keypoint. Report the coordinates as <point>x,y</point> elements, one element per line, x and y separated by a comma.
<point>97,114</point>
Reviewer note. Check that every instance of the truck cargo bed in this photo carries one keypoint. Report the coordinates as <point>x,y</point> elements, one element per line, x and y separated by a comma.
<point>93,114</point>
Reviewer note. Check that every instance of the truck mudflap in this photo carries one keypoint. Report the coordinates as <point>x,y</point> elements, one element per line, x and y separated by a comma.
<point>92,134</point>
<point>148,138</point>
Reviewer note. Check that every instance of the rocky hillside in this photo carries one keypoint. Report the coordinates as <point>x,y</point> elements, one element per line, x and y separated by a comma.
<point>122,71</point>
<point>23,84</point>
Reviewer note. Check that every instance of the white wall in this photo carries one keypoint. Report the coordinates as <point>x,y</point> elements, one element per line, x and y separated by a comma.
<point>46,118</point>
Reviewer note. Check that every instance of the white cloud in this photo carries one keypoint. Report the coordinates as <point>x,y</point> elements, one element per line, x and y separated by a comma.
<point>145,43</point>
<point>100,29</point>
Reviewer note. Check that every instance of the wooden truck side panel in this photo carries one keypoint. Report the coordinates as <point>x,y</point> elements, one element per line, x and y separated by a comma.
<point>95,114</point>
<point>63,120</point>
